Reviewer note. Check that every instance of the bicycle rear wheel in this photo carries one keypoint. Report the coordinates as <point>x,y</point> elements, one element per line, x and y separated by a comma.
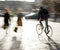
<point>39,30</point>
<point>49,32</point>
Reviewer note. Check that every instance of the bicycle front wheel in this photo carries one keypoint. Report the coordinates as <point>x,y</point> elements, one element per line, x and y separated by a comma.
<point>50,31</point>
<point>39,29</point>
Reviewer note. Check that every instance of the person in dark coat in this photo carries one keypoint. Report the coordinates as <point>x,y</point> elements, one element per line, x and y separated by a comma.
<point>43,14</point>
<point>6,17</point>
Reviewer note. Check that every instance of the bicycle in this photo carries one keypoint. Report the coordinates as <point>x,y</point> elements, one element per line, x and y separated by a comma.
<point>48,32</point>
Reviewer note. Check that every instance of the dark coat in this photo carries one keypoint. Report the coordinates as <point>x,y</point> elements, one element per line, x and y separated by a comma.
<point>6,18</point>
<point>43,13</point>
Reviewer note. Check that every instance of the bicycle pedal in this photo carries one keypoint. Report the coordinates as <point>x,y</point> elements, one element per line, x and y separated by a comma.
<point>47,32</point>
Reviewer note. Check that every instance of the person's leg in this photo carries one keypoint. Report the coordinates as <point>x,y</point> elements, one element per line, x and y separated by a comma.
<point>40,20</point>
<point>46,21</point>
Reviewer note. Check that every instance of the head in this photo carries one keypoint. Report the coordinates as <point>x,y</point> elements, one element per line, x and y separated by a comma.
<point>7,10</point>
<point>20,10</point>
<point>41,7</point>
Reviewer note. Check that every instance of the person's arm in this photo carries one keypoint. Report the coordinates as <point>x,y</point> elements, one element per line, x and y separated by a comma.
<point>39,14</point>
<point>9,17</point>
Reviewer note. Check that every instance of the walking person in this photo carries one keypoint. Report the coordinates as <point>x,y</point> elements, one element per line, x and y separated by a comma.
<point>6,18</point>
<point>19,21</point>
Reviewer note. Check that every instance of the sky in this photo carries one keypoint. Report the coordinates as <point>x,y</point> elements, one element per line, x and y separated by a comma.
<point>20,0</point>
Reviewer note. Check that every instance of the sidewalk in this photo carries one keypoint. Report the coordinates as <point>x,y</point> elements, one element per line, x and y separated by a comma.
<point>27,38</point>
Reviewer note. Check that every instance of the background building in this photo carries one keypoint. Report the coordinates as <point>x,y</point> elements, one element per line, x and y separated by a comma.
<point>28,5</point>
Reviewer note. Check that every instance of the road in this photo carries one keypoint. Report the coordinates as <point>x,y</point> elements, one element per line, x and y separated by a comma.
<point>26,37</point>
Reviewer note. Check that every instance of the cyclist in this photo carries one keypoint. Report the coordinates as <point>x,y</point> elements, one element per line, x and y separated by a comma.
<point>43,15</point>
